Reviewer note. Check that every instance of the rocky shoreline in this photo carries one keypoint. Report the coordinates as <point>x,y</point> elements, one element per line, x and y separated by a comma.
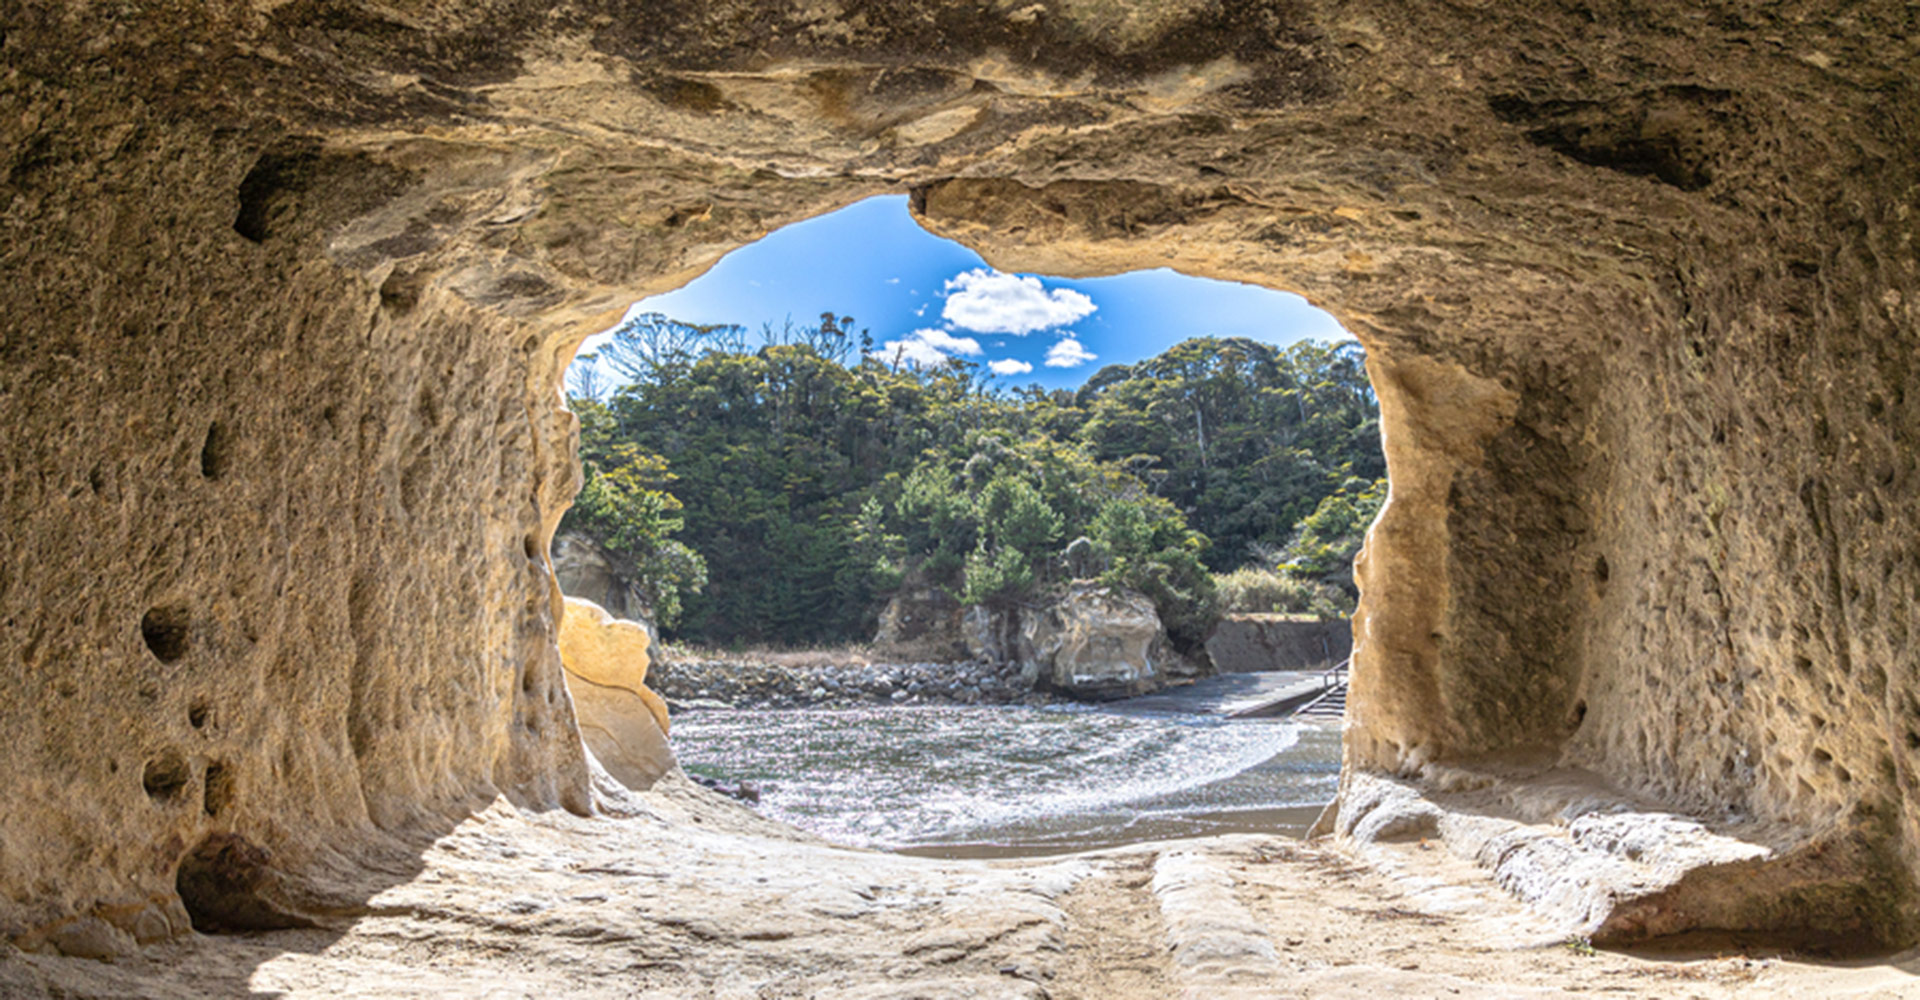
<point>698,684</point>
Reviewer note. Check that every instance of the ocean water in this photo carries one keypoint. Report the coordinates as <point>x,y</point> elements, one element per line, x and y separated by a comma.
<point>1015,779</point>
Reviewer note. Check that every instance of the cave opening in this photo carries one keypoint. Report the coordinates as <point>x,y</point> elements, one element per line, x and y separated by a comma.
<point>909,577</point>
<point>1636,285</point>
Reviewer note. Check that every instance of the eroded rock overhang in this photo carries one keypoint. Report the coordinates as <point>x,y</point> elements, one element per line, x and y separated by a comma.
<point>290,288</point>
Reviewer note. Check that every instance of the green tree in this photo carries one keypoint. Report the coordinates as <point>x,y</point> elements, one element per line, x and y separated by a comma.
<point>625,507</point>
<point>812,477</point>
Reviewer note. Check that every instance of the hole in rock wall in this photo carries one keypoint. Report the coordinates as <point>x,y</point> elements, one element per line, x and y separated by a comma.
<point>215,452</point>
<point>264,191</point>
<point>273,197</point>
<point>166,777</point>
<point>227,884</point>
<point>400,292</point>
<point>219,790</point>
<point>165,630</point>
<point>1051,427</point>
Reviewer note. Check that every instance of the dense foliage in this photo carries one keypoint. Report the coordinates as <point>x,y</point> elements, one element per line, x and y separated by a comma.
<point>798,483</point>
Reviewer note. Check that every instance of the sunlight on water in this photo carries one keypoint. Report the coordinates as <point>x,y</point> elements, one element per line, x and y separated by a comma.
<point>1069,775</point>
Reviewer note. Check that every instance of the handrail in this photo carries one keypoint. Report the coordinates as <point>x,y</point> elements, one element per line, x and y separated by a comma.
<point>1331,680</point>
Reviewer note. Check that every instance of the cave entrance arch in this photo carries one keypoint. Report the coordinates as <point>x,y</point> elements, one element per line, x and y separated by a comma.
<point>1645,312</point>
<point>1497,640</point>
<point>1448,681</point>
<point>1026,335</point>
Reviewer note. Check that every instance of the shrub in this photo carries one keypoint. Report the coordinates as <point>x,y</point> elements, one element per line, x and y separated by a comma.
<point>1258,589</point>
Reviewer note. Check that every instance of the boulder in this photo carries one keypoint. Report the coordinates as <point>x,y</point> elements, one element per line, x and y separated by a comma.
<point>990,635</point>
<point>922,616</point>
<point>1096,642</point>
<point>622,722</point>
<point>585,570</point>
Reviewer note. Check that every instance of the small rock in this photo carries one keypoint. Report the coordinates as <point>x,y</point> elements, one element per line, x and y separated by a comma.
<point>91,937</point>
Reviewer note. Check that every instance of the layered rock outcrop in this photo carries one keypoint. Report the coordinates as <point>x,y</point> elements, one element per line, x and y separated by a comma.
<point>289,289</point>
<point>622,721</point>
<point>1097,642</point>
<point>1090,641</point>
<point>584,570</point>
<point>922,616</point>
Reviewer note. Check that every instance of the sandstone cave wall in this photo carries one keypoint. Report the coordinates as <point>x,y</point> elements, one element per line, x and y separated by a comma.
<point>289,292</point>
<point>273,543</point>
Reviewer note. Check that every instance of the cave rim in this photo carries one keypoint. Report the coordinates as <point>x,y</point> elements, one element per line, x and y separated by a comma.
<point>1519,762</point>
<point>1826,332</point>
<point>573,335</point>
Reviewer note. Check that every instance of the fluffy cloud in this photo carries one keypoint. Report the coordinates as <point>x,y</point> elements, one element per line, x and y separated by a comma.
<point>1068,353</point>
<point>988,301</point>
<point>926,348</point>
<point>947,342</point>
<point>1009,366</point>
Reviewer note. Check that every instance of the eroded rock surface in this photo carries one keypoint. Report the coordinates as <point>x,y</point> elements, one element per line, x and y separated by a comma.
<point>289,289</point>
<point>622,721</point>
<point>1089,641</point>
<point>1097,642</point>
<point>583,569</point>
<point>677,894</point>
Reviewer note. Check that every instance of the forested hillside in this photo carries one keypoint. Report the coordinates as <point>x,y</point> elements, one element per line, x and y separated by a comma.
<point>780,491</point>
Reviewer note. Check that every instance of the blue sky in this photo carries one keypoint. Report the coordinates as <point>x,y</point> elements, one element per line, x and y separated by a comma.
<point>923,298</point>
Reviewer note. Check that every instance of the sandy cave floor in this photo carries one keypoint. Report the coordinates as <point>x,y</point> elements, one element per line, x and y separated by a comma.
<point>693,896</point>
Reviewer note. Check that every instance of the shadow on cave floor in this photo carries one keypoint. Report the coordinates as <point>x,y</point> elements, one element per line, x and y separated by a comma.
<point>1654,875</point>
<point>416,915</point>
<point>679,892</point>
<point>220,961</point>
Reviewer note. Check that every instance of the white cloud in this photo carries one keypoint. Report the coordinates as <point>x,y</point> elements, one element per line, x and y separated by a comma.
<point>1068,353</point>
<point>911,352</point>
<point>926,348</point>
<point>988,301</point>
<point>922,311</point>
<point>893,281</point>
<point>1009,366</point>
<point>948,342</point>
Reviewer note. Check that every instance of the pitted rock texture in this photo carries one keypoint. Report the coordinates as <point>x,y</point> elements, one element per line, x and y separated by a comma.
<point>623,722</point>
<point>290,287</point>
<point>1091,641</point>
<point>1096,642</point>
